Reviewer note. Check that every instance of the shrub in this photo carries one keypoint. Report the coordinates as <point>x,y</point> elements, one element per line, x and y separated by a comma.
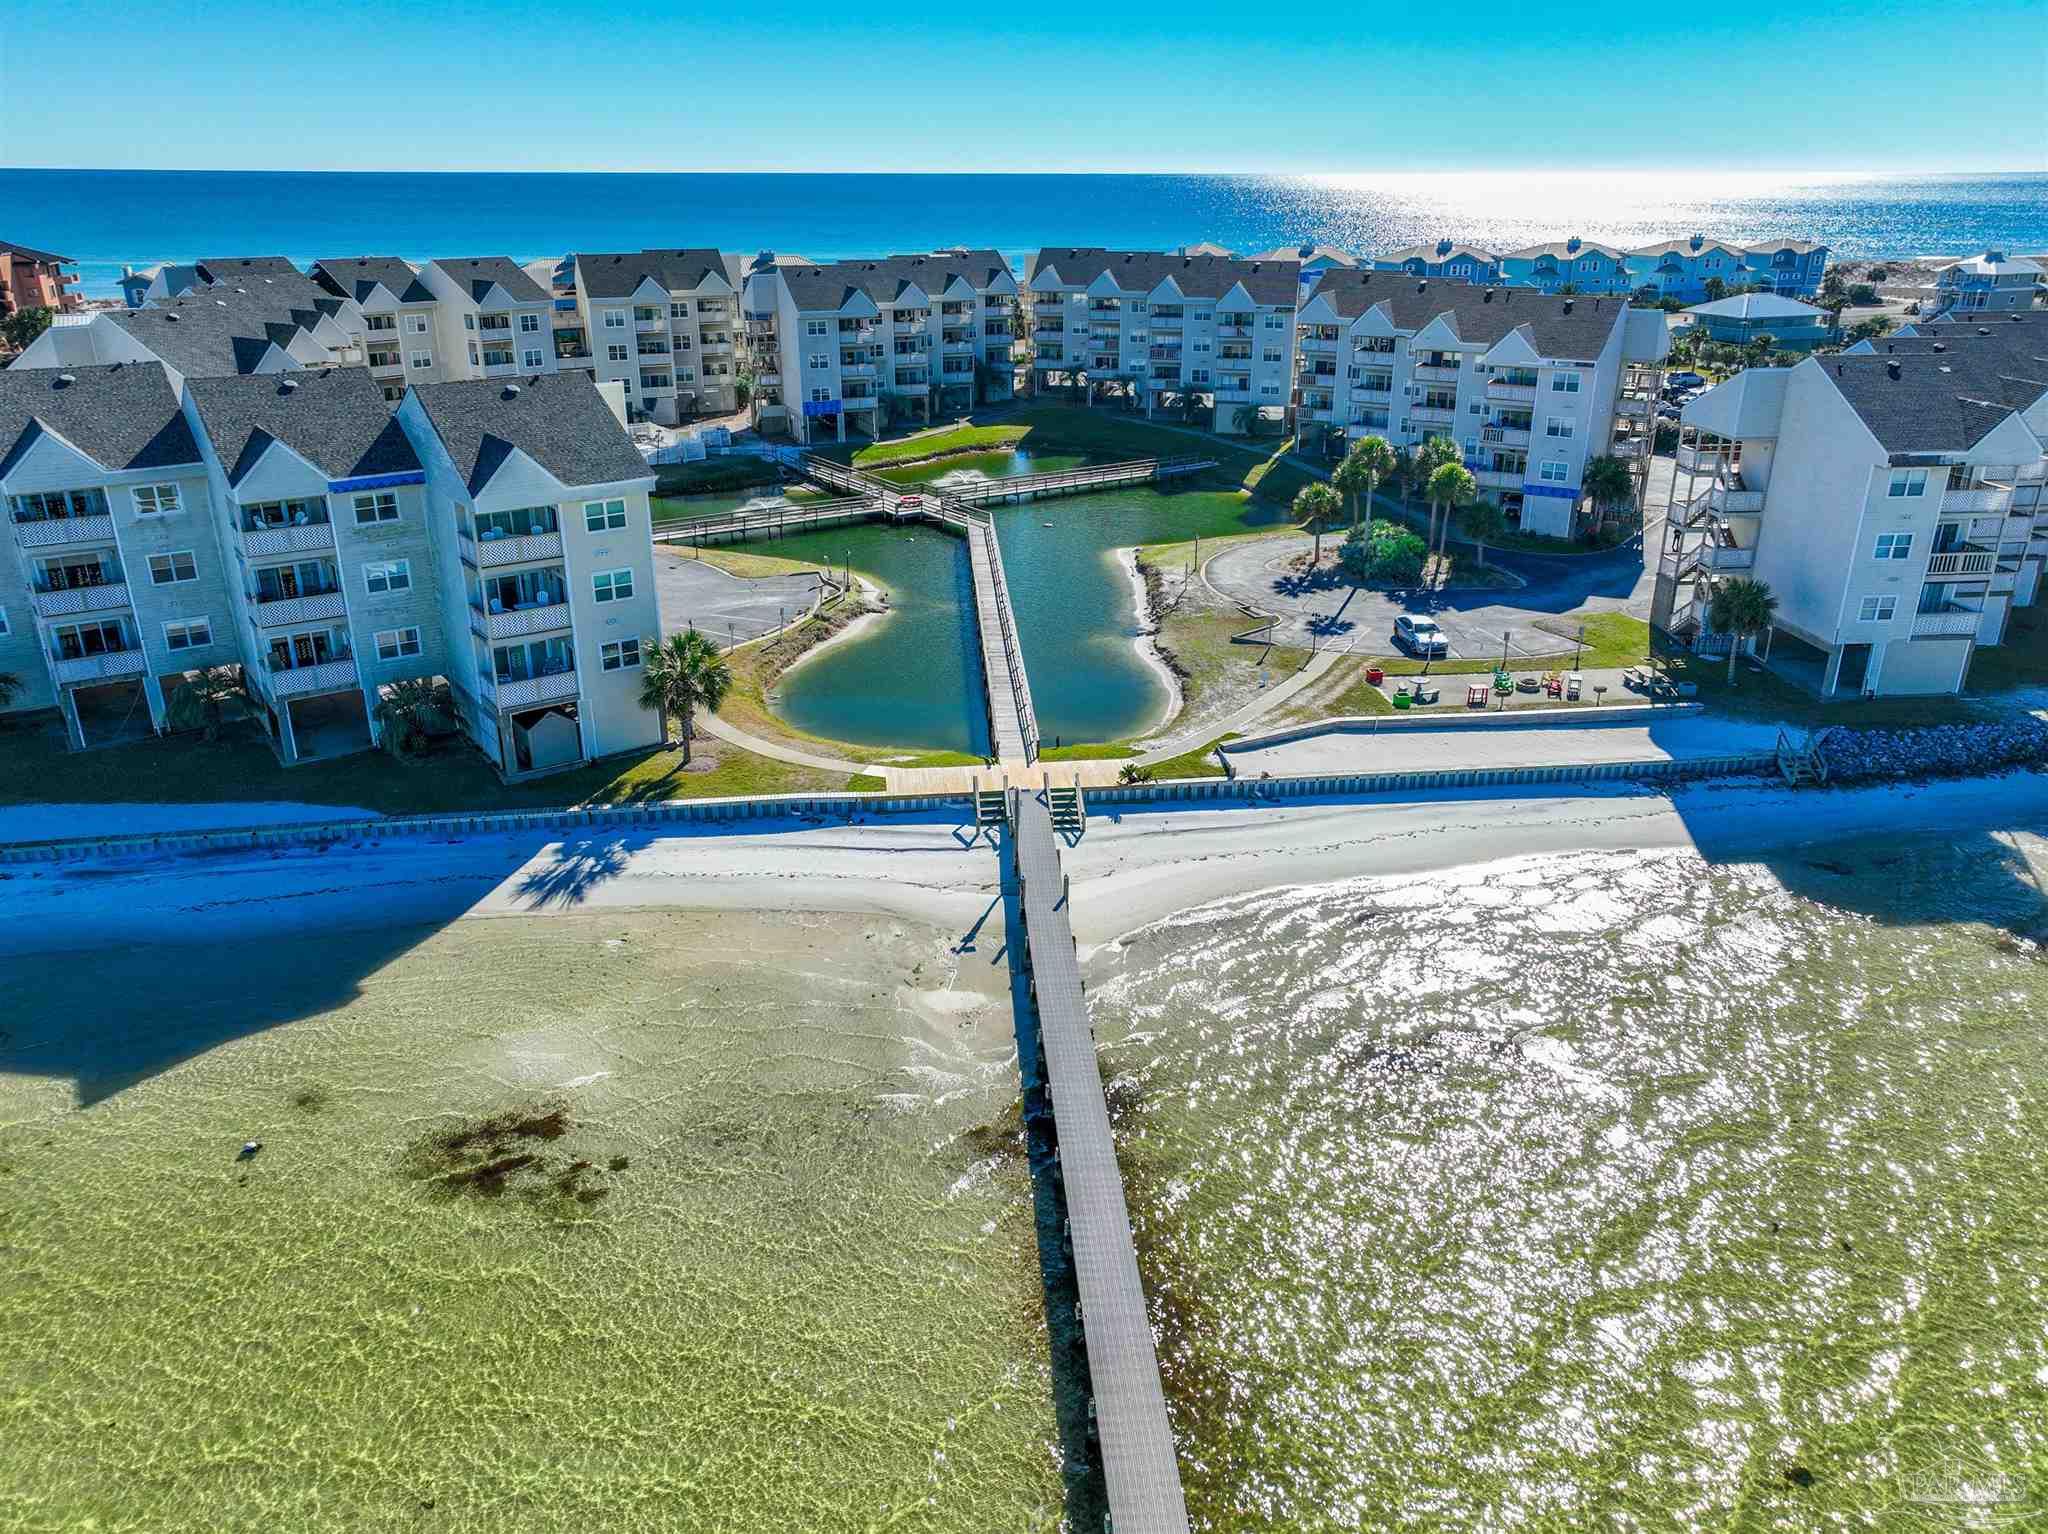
<point>1386,553</point>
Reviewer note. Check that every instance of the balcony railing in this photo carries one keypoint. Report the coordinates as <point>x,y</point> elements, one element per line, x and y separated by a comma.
<point>527,692</point>
<point>321,676</point>
<point>1961,562</point>
<point>305,538</point>
<point>1500,388</point>
<point>487,553</point>
<point>1441,414</point>
<point>1430,373</point>
<point>518,622</point>
<point>319,606</point>
<point>1722,557</point>
<point>1978,499</point>
<point>50,532</point>
<point>1318,343</point>
<point>109,596</point>
<point>1506,436</point>
<point>106,666</point>
<point>1946,623</point>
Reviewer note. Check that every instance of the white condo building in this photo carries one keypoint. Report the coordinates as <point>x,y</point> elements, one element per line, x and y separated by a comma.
<point>393,315</point>
<point>1891,497</point>
<point>839,347</point>
<point>1159,327</point>
<point>491,319</point>
<point>1531,386</point>
<point>665,324</point>
<point>287,526</point>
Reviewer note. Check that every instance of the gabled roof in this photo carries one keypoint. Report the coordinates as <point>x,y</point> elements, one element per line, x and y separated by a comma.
<point>357,277</point>
<point>209,333</point>
<point>885,278</point>
<point>1566,250</point>
<point>1442,250</point>
<point>559,420</point>
<point>1758,306</point>
<point>1307,253</point>
<point>229,268</point>
<point>476,274</point>
<point>121,415</point>
<point>30,253</point>
<point>1932,403</point>
<point>1797,247</point>
<point>1994,263</point>
<point>1555,325</point>
<point>1140,271</point>
<point>609,275</point>
<point>334,418</point>
<point>2007,364</point>
<point>1686,247</point>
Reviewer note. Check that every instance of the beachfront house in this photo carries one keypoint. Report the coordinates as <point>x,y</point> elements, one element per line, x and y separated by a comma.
<point>1531,386</point>
<point>1447,260</point>
<point>1787,323</point>
<point>35,279</point>
<point>1681,269</point>
<point>664,324</point>
<point>1993,283</point>
<point>1163,329</point>
<point>1584,266</point>
<point>141,286</point>
<point>841,347</point>
<point>1891,497</point>
<point>491,320</point>
<point>392,315</point>
<point>542,565</point>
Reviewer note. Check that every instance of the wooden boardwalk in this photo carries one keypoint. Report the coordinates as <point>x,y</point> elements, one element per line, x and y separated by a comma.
<point>1139,1470</point>
<point>1100,476</point>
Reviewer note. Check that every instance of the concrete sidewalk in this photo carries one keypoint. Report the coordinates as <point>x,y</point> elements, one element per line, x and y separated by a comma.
<point>1517,741</point>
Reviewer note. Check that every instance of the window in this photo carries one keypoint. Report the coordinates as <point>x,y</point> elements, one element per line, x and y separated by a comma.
<point>187,634</point>
<point>379,507</point>
<point>531,360</point>
<point>388,575</point>
<point>396,644</point>
<point>1272,354</point>
<point>421,361</point>
<point>599,515</point>
<point>1555,471</point>
<point>615,319</point>
<point>469,322</point>
<point>1564,383</point>
<point>529,324</point>
<point>814,328</point>
<point>155,500</point>
<point>615,353</point>
<point>612,585</point>
<point>1877,609</point>
<point>679,311</point>
<point>1907,482</point>
<point>169,569</point>
<point>820,396</point>
<point>1893,546</point>
<point>416,324</point>
<point>817,362</point>
<point>1556,428</point>
<point>621,656</point>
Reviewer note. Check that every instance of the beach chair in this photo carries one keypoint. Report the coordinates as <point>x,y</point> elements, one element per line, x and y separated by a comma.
<point>1427,692</point>
<point>1553,686</point>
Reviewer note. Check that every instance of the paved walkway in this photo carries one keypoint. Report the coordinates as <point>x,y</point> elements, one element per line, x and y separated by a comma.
<point>1535,743</point>
<point>1188,739</point>
<point>733,735</point>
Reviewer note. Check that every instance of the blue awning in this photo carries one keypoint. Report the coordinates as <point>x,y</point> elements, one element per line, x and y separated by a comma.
<point>377,481</point>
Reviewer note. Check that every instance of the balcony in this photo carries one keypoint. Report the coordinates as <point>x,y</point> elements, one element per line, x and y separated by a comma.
<point>1979,500</point>
<point>69,601</point>
<point>1318,344</point>
<point>649,326</point>
<point>489,553</point>
<point>1163,354</point>
<point>1169,322</point>
<point>1957,562</point>
<point>322,676</point>
<point>856,370</point>
<point>1499,479</point>
<point>715,346</point>
<point>1378,388</point>
<point>53,532</point>
<point>1436,415</point>
<point>1233,332</point>
<point>518,622</point>
<point>1948,623</point>
<point>1425,373</point>
<point>529,692</point>
<point>1731,501</point>
<point>1500,388</point>
<point>1696,458</point>
<point>1505,436</point>
<point>108,665</point>
<point>1723,557</point>
<point>275,612</point>
<point>1627,405</point>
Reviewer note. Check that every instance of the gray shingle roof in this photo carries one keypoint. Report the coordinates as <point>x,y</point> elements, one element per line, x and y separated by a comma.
<point>558,420</point>
<point>357,277</point>
<point>1931,403</point>
<point>334,418</point>
<point>1140,271</point>
<point>122,415</point>
<point>605,274</point>
<point>1557,326</point>
<point>477,273</point>
<point>209,333</point>
<point>233,268</point>
<point>884,278</point>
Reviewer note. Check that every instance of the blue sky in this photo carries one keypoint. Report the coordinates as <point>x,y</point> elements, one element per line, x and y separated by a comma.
<point>1404,85</point>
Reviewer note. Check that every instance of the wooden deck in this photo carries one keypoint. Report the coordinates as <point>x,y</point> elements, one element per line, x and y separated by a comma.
<point>1100,476</point>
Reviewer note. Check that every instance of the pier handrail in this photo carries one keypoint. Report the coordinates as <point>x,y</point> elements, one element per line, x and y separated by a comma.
<point>973,517</point>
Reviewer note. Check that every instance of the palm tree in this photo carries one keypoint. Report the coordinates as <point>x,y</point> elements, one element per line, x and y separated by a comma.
<point>1715,289</point>
<point>1371,459</point>
<point>1451,486</point>
<point>403,708</point>
<point>1244,420</point>
<point>1758,351</point>
<point>1741,608</point>
<point>1436,452</point>
<point>199,701</point>
<point>11,687</point>
<point>1608,483</point>
<point>1483,521</point>
<point>683,673</point>
<point>1313,504</point>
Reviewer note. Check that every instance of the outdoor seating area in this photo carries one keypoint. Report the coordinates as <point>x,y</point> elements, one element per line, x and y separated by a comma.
<point>1653,684</point>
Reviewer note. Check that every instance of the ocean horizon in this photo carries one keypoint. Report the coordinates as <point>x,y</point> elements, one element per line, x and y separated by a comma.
<point>107,219</point>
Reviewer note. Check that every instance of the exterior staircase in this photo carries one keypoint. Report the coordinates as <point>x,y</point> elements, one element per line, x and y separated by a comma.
<point>1069,811</point>
<point>991,808</point>
<point>1800,762</point>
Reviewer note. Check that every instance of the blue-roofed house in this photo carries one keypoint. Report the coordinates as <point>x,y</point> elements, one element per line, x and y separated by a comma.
<point>1581,265</point>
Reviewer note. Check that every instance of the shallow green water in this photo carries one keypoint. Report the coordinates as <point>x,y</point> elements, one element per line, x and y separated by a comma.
<point>1603,1191</point>
<point>808,1299</point>
<point>912,679</point>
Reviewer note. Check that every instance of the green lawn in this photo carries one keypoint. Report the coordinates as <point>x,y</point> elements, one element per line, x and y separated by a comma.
<point>1612,640</point>
<point>2022,661</point>
<point>187,770</point>
<point>1105,751</point>
<point>934,759</point>
<point>1199,763</point>
<point>937,444</point>
<point>742,561</point>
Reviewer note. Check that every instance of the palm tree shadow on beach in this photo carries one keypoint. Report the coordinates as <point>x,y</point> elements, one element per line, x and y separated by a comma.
<point>573,870</point>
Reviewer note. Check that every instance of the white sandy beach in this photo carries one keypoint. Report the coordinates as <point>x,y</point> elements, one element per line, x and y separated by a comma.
<point>1130,868</point>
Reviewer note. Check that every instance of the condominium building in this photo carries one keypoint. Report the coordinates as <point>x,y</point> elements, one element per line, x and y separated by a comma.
<point>272,325</point>
<point>1993,283</point>
<point>665,323</point>
<point>544,566</point>
<point>1446,259</point>
<point>392,315</point>
<point>1166,328</point>
<point>1584,266</point>
<point>291,528</point>
<point>34,279</point>
<point>1681,269</point>
<point>1892,500</point>
<point>1531,386</point>
<point>841,347</point>
<point>491,320</point>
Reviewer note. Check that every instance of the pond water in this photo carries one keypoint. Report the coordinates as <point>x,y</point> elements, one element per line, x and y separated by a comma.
<point>913,678</point>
